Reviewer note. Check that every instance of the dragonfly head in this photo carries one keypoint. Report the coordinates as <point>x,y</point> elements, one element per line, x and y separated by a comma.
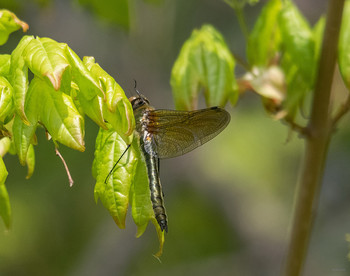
<point>138,101</point>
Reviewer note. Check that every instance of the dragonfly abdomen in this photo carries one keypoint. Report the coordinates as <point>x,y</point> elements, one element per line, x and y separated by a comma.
<point>156,190</point>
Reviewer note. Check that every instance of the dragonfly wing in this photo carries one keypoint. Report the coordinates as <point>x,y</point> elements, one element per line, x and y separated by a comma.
<point>175,132</point>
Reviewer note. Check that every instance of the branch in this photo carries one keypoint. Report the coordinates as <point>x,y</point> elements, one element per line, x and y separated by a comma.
<point>316,145</point>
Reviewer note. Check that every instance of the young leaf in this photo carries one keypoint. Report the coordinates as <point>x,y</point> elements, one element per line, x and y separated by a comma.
<point>299,60</point>
<point>19,77</point>
<point>344,46</point>
<point>5,208</point>
<point>23,136</point>
<point>6,102</point>
<point>46,57</point>
<point>5,144</point>
<point>93,108</point>
<point>204,61</point>
<point>298,40</point>
<point>114,194</point>
<point>117,109</point>
<point>142,211</point>
<point>58,114</point>
<point>8,24</point>
<point>5,62</point>
<point>30,161</point>
<point>264,39</point>
<point>56,111</point>
<point>160,235</point>
<point>87,83</point>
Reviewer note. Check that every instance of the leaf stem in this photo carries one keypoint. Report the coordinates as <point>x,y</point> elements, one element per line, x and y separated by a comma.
<point>316,145</point>
<point>70,179</point>
<point>238,8</point>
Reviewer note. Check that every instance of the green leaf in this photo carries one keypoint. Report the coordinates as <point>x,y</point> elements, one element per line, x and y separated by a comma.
<point>117,109</point>
<point>344,46</point>
<point>128,184</point>
<point>56,111</point>
<point>6,102</point>
<point>19,77</point>
<point>142,211</point>
<point>5,208</point>
<point>58,114</point>
<point>8,24</point>
<point>298,40</point>
<point>264,39</point>
<point>115,194</point>
<point>160,235</point>
<point>30,161</point>
<point>93,108</point>
<point>23,136</point>
<point>297,88</point>
<point>46,58</point>
<point>204,61</point>
<point>299,59</point>
<point>5,144</point>
<point>5,62</point>
<point>88,84</point>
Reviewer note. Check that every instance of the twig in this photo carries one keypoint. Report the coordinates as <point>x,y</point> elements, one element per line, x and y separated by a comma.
<point>70,179</point>
<point>343,109</point>
<point>303,131</point>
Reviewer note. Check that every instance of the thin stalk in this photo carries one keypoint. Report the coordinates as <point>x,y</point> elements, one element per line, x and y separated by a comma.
<point>238,8</point>
<point>316,145</point>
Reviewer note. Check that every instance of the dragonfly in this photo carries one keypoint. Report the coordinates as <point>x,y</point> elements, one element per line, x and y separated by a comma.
<point>170,133</point>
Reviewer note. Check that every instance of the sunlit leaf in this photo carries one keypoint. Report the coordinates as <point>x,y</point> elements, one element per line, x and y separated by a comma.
<point>204,62</point>
<point>5,62</point>
<point>23,135</point>
<point>93,108</point>
<point>114,194</point>
<point>58,114</point>
<point>117,109</point>
<point>5,208</point>
<point>5,144</point>
<point>56,111</point>
<point>6,102</point>
<point>142,211</point>
<point>264,39</point>
<point>30,161</point>
<point>160,235</point>
<point>19,77</point>
<point>344,46</point>
<point>46,57</point>
<point>87,83</point>
<point>8,24</point>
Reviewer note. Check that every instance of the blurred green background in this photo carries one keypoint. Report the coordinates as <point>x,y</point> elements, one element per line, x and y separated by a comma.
<point>229,202</point>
